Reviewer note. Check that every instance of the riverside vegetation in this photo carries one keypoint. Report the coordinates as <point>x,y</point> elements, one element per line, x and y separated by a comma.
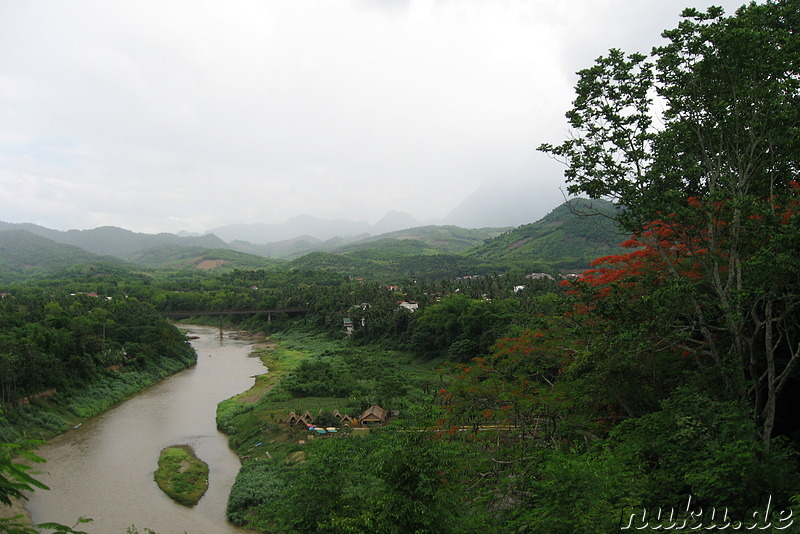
<point>668,369</point>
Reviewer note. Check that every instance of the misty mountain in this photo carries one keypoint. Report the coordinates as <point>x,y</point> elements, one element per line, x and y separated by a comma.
<point>562,239</point>
<point>496,205</point>
<point>566,239</point>
<point>392,221</point>
<point>295,247</point>
<point>24,255</point>
<point>422,240</point>
<point>308,226</point>
<point>418,240</point>
<point>503,204</point>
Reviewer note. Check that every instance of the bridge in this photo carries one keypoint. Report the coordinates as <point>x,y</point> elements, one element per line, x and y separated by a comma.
<point>250,311</point>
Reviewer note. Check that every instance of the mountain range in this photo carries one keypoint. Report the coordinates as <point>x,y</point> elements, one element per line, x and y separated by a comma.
<point>566,238</point>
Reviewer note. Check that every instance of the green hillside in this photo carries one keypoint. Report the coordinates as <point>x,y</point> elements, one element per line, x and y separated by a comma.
<point>24,255</point>
<point>217,259</point>
<point>425,240</point>
<point>288,249</point>
<point>375,264</point>
<point>114,241</point>
<point>422,240</point>
<point>569,237</point>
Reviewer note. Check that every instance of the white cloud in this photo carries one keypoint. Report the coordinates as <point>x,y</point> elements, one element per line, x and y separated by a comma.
<point>161,116</point>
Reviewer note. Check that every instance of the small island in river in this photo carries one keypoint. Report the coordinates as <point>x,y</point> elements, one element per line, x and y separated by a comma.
<point>182,475</point>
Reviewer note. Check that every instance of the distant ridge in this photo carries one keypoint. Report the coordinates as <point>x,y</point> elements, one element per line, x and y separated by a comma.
<point>114,241</point>
<point>566,238</point>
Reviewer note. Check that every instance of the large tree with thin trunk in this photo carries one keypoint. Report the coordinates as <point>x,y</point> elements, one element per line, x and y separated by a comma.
<point>699,144</point>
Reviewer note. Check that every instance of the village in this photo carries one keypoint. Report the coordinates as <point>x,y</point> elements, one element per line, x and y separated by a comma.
<point>328,424</point>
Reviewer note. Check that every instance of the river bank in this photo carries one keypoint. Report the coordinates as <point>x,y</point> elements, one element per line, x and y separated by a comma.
<point>85,465</point>
<point>45,417</point>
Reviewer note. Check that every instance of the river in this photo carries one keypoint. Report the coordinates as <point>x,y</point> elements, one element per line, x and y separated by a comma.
<point>104,468</point>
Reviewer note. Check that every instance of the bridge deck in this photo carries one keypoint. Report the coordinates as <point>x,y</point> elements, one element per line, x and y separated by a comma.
<point>176,313</point>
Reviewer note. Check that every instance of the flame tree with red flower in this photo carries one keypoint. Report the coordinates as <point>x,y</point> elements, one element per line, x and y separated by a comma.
<point>699,146</point>
<point>677,364</point>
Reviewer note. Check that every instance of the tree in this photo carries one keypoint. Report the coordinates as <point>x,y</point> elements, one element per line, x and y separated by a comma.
<point>716,181</point>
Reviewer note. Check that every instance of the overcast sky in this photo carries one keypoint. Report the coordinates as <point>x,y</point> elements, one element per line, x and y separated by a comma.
<point>188,115</point>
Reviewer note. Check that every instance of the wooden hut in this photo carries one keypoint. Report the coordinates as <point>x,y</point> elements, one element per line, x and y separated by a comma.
<point>292,419</point>
<point>346,420</point>
<point>374,415</point>
<point>307,417</point>
<point>343,418</point>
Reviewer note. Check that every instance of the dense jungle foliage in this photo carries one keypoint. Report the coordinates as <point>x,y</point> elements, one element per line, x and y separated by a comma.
<point>664,378</point>
<point>79,353</point>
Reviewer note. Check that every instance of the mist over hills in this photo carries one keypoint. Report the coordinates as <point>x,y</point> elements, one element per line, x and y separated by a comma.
<point>315,228</point>
<point>504,204</point>
<point>501,205</point>
<point>490,206</point>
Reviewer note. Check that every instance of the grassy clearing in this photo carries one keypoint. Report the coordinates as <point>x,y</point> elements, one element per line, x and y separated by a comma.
<point>182,475</point>
<point>320,375</point>
<point>278,361</point>
<point>315,373</point>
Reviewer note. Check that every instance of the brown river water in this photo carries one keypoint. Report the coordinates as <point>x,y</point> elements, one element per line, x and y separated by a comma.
<point>104,468</point>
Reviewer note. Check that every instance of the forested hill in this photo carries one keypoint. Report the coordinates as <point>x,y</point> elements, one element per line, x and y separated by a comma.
<point>426,240</point>
<point>146,249</point>
<point>197,257</point>
<point>569,237</point>
<point>24,255</point>
<point>114,241</point>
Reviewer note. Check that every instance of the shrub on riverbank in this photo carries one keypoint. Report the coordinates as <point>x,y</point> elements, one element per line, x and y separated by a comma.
<point>99,396</point>
<point>44,418</point>
<point>258,490</point>
<point>66,355</point>
<point>182,475</point>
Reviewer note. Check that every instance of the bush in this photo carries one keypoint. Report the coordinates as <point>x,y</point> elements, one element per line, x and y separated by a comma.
<point>707,448</point>
<point>259,484</point>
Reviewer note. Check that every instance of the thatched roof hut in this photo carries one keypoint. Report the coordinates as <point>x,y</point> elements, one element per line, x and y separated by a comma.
<point>373,415</point>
